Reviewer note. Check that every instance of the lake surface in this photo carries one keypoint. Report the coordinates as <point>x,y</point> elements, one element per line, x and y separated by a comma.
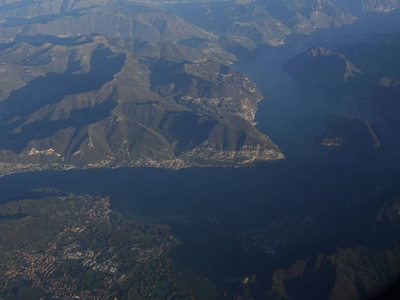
<point>310,179</point>
<point>293,114</point>
<point>310,182</point>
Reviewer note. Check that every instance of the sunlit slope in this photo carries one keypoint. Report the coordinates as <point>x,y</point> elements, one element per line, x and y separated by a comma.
<point>101,102</point>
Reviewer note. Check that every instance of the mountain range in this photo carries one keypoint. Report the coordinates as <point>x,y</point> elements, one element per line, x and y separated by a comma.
<point>144,83</point>
<point>91,85</point>
<point>101,102</point>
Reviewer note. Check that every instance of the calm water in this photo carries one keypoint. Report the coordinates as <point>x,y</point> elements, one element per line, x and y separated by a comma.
<point>293,114</point>
<point>310,179</point>
<point>311,182</point>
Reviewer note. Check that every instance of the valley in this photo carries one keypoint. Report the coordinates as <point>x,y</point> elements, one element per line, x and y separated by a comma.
<point>117,116</point>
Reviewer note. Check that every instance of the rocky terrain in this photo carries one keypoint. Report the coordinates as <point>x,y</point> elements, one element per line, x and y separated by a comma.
<point>247,24</point>
<point>107,84</point>
<point>382,6</point>
<point>118,83</point>
<point>362,7</point>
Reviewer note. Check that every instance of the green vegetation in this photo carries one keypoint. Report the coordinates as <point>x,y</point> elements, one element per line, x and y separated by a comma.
<point>74,245</point>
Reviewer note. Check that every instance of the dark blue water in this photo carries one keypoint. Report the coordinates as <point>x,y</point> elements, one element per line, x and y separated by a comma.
<point>243,196</point>
<point>310,182</point>
<point>310,179</point>
<point>293,114</point>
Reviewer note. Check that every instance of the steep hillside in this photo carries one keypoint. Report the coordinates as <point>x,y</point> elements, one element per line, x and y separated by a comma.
<point>107,17</point>
<point>366,73</point>
<point>265,21</point>
<point>116,102</point>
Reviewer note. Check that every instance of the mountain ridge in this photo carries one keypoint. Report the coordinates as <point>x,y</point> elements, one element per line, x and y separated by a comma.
<point>111,111</point>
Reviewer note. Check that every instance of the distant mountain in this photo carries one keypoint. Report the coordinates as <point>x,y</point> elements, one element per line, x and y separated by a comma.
<point>245,23</point>
<point>306,17</point>
<point>107,17</point>
<point>337,69</point>
<point>375,6</point>
<point>382,6</point>
<point>366,73</point>
<point>249,23</point>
